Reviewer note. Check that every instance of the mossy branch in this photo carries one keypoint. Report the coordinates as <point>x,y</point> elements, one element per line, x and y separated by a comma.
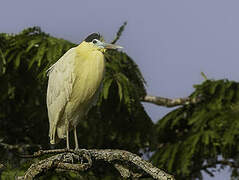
<point>129,165</point>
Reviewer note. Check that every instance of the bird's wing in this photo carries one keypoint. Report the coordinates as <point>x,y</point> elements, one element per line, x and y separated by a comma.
<point>60,83</point>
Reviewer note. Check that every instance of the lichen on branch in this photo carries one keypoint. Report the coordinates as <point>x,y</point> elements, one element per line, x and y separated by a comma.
<point>128,165</point>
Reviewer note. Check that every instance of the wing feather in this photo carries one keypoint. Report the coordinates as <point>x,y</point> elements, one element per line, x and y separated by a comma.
<point>60,83</point>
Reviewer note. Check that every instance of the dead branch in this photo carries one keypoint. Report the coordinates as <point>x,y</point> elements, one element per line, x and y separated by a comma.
<point>128,165</point>
<point>162,101</point>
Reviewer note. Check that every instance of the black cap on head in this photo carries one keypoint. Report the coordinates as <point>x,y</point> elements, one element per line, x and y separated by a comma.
<point>92,36</point>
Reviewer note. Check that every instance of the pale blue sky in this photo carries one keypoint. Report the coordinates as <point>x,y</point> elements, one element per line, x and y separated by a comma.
<point>172,41</point>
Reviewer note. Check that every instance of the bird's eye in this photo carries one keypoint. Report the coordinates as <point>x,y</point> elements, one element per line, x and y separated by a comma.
<point>94,41</point>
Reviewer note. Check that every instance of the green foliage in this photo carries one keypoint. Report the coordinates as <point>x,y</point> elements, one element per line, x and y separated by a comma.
<point>36,48</point>
<point>25,57</point>
<point>121,70</point>
<point>117,121</point>
<point>119,33</point>
<point>193,136</point>
<point>187,140</point>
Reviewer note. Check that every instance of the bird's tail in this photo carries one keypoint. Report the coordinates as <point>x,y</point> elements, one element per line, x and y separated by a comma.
<point>53,135</point>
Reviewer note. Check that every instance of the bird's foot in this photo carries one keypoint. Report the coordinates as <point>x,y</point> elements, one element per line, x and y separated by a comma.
<point>79,152</point>
<point>83,155</point>
<point>86,156</point>
<point>69,157</point>
<point>67,149</point>
<point>77,149</point>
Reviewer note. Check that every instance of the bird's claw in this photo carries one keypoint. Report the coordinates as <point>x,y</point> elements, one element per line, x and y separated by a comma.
<point>69,157</point>
<point>83,155</point>
<point>77,150</point>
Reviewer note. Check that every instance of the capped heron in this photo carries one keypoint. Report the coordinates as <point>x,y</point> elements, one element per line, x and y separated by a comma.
<point>73,86</point>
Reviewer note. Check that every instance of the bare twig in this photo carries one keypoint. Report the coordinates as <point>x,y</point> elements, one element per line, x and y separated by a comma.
<point>44,152</point>
<point>209,172</point>
<point>83,160</point>
<point>162,101</point>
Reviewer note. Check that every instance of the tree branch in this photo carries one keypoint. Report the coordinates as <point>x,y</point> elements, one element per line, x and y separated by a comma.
<point>19,147</point>
<point>162,101</point>
<point>126,163</point>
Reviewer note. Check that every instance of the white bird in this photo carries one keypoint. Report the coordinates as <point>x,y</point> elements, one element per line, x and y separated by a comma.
<point>73,86</point>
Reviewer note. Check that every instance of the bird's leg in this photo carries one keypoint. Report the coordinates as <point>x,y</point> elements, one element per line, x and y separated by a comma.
<point>76,140</point>
<point>67,135</point>
<point>67,139</point>
<point>68,156</point>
